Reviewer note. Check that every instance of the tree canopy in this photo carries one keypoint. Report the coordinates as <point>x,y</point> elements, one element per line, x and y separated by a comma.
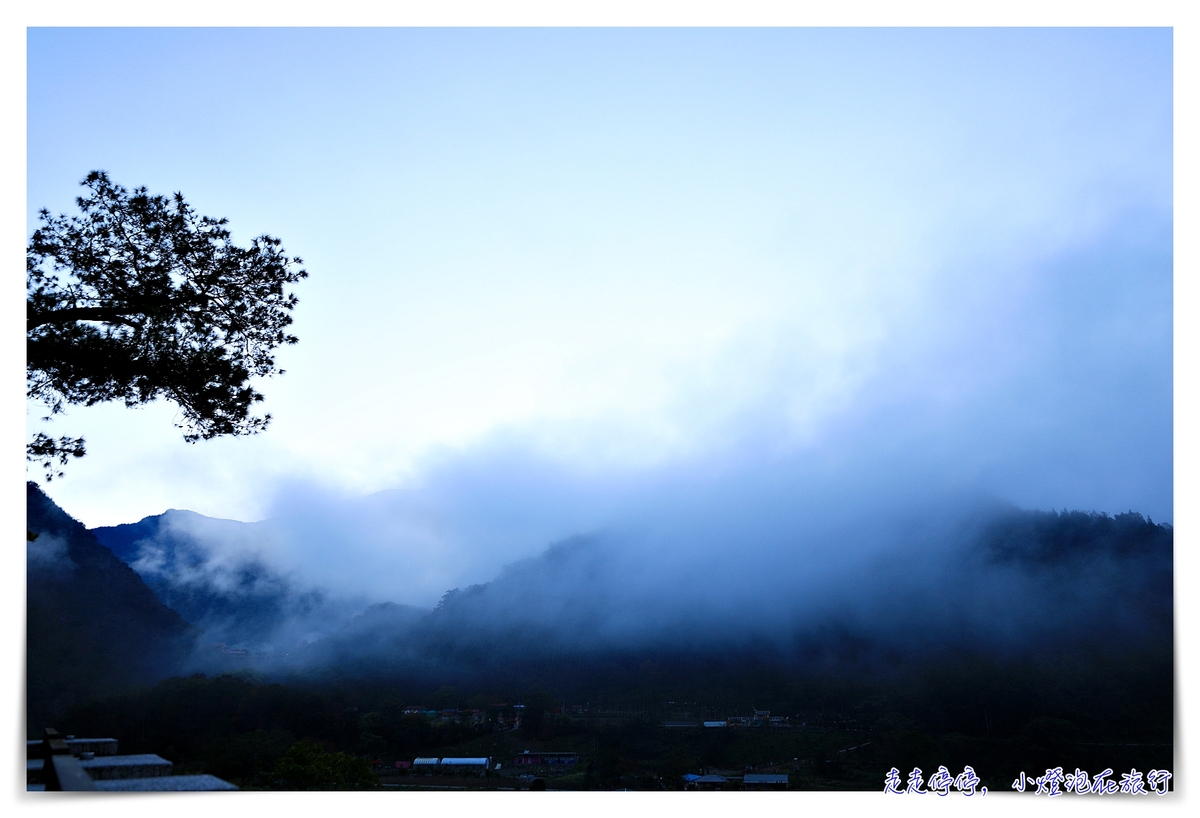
<point>139,298</point>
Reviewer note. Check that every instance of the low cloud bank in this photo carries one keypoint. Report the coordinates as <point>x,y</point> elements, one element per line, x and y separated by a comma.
<point>793,574</point>
<point>1038,387</point>
<point>1000,581</point>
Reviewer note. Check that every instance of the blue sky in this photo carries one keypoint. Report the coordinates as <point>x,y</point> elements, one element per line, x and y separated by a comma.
<point>940,257</point>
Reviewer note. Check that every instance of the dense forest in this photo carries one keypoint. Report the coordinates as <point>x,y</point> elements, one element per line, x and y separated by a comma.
<point>1093,709</point>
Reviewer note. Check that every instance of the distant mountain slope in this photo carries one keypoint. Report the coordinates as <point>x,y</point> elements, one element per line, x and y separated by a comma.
<point>216,574</point>
<point>123,540</point>
<point>94,627</point>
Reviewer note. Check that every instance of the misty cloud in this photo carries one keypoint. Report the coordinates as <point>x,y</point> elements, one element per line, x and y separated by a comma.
<point>1046,387</point>
<point>48,556</point>
<point>1041,386</point>
<point>214,573</point>
<point>994,580</point>
<point>958,241</point>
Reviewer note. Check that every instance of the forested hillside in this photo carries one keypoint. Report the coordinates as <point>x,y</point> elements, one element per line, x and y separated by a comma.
<point>93,628</point>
